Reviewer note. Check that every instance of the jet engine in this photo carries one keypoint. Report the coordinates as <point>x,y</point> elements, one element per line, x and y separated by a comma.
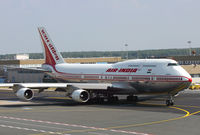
<point>80,95</point>
<point>25,93</point>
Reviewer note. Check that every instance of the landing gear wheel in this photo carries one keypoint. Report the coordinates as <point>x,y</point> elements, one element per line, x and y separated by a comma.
<point>113,99</point>
<point>169,102</point>
<point>116,98</point>
<point>100,100</point>
<point>132,98</point>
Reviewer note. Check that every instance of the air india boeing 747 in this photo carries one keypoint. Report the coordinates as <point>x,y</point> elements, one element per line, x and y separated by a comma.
<point>105,81</point>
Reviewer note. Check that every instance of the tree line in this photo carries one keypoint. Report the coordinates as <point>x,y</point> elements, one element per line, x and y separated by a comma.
<point>123,54</point>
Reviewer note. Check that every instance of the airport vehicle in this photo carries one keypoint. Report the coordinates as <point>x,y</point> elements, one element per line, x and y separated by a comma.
<point>104,81</point>
<point>194,86</point>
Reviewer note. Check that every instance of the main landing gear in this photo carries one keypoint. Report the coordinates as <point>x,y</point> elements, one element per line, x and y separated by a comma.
<point>105,98</point>
<point>112,99</point>
<point>132,98</point>
<point>170,101</point>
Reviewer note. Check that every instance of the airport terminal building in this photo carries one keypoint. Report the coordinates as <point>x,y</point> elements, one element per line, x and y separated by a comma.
<point>190,63</point>
<point>187,60</point>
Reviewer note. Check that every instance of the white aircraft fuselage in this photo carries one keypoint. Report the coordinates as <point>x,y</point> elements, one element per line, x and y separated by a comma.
<point>140,76</point>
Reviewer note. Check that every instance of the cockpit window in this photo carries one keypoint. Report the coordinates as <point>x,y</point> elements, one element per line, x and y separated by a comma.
<point>173,64</point>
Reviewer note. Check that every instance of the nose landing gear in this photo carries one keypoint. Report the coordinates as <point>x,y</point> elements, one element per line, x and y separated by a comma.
<point>170,101</point>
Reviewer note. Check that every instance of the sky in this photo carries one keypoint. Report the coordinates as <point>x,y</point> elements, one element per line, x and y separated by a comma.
<point>99,25</point>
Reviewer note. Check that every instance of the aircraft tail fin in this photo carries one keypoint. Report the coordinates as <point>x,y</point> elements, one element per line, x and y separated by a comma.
<point>51,54</point>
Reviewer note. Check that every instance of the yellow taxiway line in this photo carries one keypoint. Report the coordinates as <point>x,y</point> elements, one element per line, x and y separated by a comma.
<point>187,114</point>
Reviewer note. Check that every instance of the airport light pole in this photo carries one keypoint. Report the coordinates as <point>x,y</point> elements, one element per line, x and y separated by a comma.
<point>126,46</point>
<point>190,49</point>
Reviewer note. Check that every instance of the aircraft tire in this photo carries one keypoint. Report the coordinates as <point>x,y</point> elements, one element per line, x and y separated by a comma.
<point>132,98</point>
<point>113,99</point>
<point>169,102</point>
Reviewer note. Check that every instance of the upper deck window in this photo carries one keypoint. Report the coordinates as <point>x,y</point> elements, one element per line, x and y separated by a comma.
<point>172,64</point>
<point>149,65</point>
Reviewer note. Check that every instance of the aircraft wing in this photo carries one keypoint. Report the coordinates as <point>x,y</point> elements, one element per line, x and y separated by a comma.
<point>87,86</point>
<point>77,91</point>
<point>28,68</point>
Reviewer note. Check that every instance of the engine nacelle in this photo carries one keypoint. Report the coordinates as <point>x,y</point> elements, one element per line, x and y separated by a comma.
<point>25,93</point>
<point>80,95</point>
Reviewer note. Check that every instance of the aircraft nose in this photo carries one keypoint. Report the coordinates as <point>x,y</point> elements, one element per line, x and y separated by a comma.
<point>185,75</point>
<point>190,79</point>
<point>187,79</point>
